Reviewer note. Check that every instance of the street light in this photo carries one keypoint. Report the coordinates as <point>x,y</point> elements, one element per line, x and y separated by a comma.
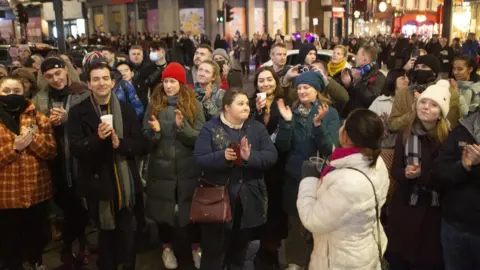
<point>382,6</point>
<point>356,14</point>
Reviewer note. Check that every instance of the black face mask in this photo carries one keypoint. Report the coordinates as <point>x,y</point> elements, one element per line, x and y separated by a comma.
<point>423,76</point>
<point>14,103</point>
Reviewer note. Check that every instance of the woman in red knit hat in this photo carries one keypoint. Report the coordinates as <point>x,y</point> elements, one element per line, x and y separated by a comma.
<point>172,123</point>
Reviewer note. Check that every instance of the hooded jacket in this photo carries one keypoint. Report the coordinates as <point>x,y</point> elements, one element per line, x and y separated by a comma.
<point>306,48</point>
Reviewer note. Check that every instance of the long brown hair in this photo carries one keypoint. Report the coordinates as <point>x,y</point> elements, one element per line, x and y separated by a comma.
<point>187,101</point>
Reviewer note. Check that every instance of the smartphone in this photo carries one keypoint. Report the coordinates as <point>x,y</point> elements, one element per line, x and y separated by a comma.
<point>236,147</point>
<point>220,65</point>
<point>416,53</point>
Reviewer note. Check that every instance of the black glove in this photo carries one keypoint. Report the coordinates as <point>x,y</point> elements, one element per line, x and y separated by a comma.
<point>309,169</point>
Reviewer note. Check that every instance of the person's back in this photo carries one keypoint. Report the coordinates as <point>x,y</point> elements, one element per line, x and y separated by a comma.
<point>351,236</point>
<point>341,208</point>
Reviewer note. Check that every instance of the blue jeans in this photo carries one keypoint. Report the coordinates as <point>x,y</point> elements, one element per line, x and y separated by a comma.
<point>461,250</point>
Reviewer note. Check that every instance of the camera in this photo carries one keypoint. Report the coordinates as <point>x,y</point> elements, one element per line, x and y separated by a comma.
<point>302,69</point>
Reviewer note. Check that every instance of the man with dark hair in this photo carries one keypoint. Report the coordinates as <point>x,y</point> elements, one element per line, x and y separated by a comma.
<point>152,73</point>
<point>202,53</point>
<point>109,54</point>
<point>365,82</point>
<point>106,138</point>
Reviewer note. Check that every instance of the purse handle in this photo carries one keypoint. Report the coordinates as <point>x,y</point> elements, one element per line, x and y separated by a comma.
<point>379,242</point>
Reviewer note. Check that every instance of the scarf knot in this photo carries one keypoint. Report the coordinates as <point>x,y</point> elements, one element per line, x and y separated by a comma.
<point>333,68</point>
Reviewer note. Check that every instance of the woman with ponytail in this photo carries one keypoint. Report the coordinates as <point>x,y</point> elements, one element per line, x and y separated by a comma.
<point>415,217</point>
<point>341,208</point>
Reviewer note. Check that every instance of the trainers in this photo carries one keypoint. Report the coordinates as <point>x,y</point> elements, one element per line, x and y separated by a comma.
<point>294,267</point>
<point>197,257</point>
<point>169,260</point>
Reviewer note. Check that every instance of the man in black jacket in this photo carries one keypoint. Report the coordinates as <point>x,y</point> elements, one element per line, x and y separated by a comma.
<point>364,83</point>
<point>457,173</point>
<point>445,57</point>
<point>152,73</point>
<point>105,137</point>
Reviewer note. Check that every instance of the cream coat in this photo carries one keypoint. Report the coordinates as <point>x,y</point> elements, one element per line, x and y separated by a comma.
<point>340,212</point>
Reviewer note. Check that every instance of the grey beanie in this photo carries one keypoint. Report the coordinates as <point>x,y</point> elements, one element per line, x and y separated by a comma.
<point>221,52</point>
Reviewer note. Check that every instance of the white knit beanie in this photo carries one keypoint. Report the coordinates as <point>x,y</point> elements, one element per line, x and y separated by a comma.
<point>440,93</point>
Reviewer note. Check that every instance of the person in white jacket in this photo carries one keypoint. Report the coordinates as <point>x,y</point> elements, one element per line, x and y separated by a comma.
<point>339,207</point>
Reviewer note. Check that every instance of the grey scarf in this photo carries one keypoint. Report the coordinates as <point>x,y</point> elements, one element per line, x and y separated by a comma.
<point>123,175</point>
<point>413,154</point>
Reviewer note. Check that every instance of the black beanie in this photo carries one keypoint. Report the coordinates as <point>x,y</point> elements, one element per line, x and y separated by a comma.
<point>430,61</point>
<point>51,63</point>
<point>306,48</point>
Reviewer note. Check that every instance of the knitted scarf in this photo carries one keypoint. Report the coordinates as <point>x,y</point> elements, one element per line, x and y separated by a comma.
<point>339,153</point>
<point>123,175</point>
<point>333,69</point>
<point>413,154</point>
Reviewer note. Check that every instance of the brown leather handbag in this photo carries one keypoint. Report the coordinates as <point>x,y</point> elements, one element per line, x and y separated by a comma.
<point>210,204</point>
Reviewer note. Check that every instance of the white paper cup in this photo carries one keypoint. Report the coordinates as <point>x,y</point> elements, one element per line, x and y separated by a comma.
<point>108,119</point>
<point>318,162</point>
<point>262,96</point>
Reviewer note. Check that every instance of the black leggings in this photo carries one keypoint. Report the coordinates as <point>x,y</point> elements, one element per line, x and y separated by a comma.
<point>24,233</point>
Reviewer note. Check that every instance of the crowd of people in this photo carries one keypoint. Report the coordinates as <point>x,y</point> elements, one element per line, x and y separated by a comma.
<point>348,167</point>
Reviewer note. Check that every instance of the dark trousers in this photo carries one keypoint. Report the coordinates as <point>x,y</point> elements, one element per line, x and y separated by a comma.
<point>180,239</point>
<point>245,68</point>
<point>223,247</point>
<point>461,250</point>
<point>24,233</point>
<point>117,247</point>
<point>75,215</point>
<point>396,263</point>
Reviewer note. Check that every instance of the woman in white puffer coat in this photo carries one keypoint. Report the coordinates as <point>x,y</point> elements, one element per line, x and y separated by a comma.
<point>339,207</point>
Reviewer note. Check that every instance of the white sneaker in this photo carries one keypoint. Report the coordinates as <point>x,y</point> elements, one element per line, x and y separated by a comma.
<point>197,257</point>
<point>294,267</point>
<point>169,259</point>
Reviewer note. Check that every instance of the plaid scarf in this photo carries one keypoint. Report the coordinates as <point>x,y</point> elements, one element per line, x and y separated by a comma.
<point>413,154</point>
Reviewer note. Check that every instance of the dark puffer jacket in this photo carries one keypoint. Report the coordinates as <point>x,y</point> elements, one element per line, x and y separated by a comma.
<point>245,183</point>
<point>172,171</point>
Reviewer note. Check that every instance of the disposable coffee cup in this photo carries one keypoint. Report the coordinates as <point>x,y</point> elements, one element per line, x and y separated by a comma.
<point>56,104</point>
<point>108,119</point>
<point>262,96</point>
<point>318,162</point>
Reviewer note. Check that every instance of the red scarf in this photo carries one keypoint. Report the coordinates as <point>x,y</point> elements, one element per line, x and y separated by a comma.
<point>339,153</point>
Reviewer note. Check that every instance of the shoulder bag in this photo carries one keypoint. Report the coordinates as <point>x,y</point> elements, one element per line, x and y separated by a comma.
<point>210,203</point>
<point>383,263</point>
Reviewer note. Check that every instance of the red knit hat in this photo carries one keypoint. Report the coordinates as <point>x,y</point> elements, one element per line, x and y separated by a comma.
<point>175,71</point>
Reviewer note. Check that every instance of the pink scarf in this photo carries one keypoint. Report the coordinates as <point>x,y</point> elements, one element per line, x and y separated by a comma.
<point>339,153</point>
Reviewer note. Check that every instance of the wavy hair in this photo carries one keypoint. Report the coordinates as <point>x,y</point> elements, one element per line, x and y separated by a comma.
<point>187,101</point>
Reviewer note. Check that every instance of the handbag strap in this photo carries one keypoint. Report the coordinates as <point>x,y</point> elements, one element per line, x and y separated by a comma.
<point>379,242</point>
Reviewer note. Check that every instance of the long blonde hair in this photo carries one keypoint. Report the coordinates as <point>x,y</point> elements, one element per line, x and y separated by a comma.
<point>187,101</point>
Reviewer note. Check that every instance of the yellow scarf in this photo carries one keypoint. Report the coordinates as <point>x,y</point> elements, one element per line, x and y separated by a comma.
<point>333,69</point>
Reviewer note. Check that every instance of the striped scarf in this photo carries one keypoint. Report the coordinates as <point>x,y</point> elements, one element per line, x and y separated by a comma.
<point>413,155</point>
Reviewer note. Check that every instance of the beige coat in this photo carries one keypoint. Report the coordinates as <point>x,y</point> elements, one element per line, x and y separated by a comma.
<point>403,110</point>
